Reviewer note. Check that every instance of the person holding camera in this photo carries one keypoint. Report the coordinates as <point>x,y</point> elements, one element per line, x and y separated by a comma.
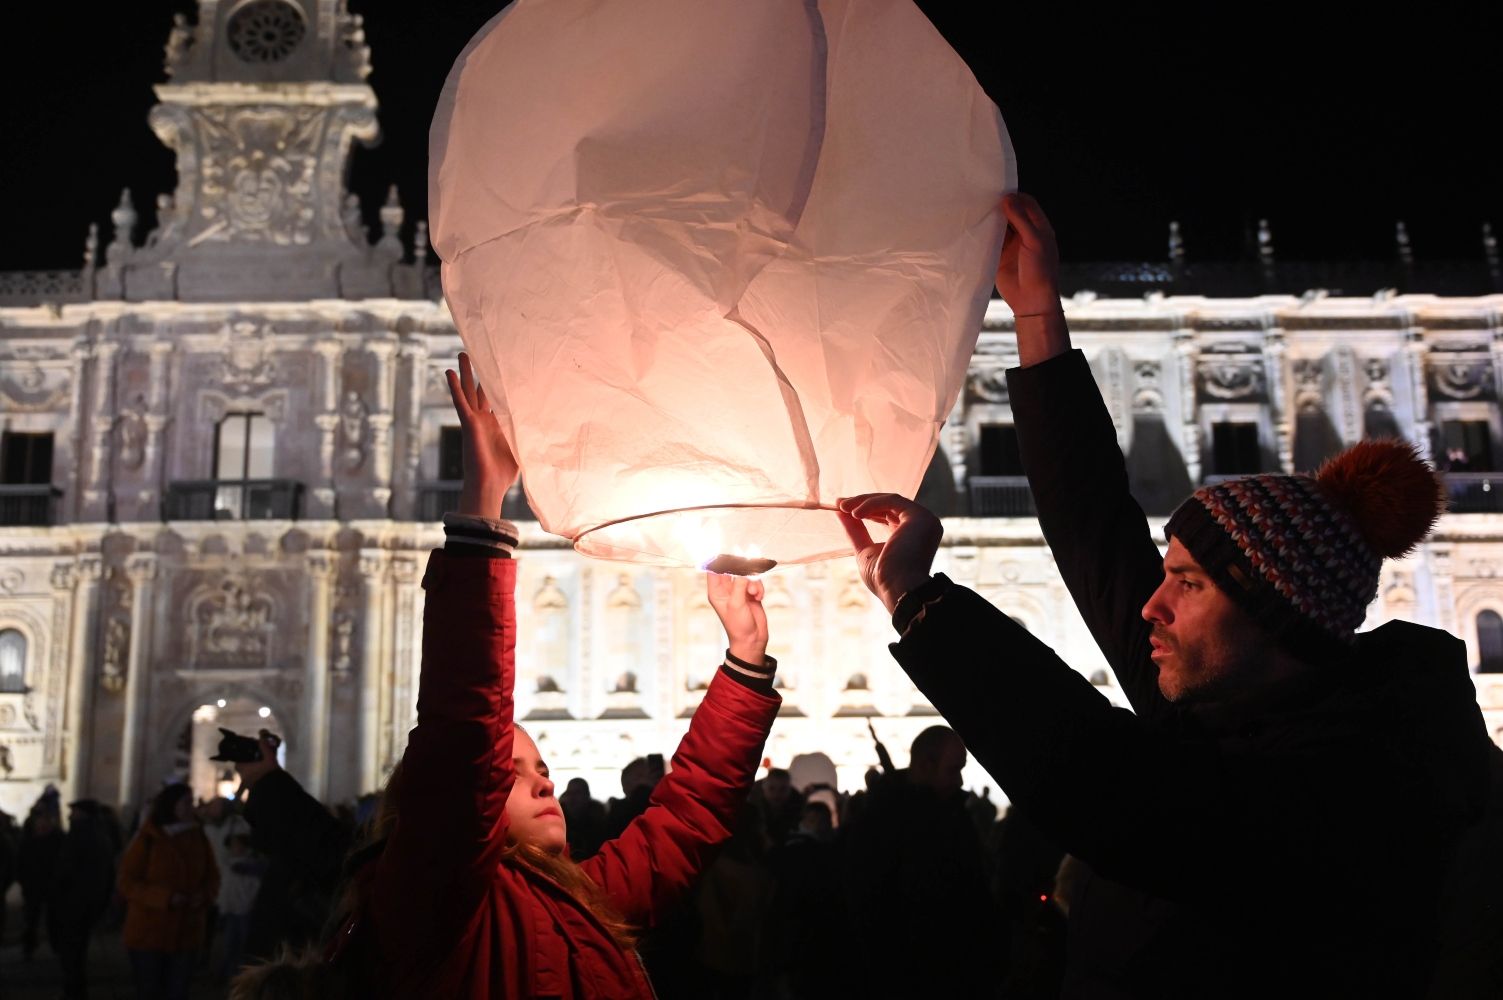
<point>168,879</point>
<point>303,844</point>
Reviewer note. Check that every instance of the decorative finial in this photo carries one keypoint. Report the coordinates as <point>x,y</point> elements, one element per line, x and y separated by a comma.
<point>354,222</point>
<point>91,247</point>
<point>1401,240</point>
<point>391,222</point>
<point>1265,241</point>
<point>124,217</point>
<point>179,40</point>
<point>420,243</point>
<point>1176,243</point>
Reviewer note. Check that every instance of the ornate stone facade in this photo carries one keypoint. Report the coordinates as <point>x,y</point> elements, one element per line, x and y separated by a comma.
<point>160,588</point>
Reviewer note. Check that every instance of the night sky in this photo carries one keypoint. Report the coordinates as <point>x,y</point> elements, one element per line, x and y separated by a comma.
<point>1331,121</point>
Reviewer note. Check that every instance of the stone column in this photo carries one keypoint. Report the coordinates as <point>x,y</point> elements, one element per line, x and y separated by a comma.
<point>1442,585</point>
<point>416,354</point>
<point>380,421</point>
<point>327,421</point>
<point>953,440</point>
<point>1279,404</point>
<point>142,570</point>
<point>154,461</point>
<point>90,572</point>
<point>373,563</point>
<point>1420,426</point>
<point>320,569</point>
<point>81,354</point>
<point>1188,353</point>
<point>406,656</point>
<point>96,488</point>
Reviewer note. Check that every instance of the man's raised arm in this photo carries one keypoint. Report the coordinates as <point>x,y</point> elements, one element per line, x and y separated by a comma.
<point>1097,532</point>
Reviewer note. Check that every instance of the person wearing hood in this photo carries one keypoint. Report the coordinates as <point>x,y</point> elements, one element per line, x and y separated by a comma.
<point>1278,817</point>
<point>169,880</point>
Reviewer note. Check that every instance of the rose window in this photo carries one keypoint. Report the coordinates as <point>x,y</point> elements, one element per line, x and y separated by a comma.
<point>266,31</point>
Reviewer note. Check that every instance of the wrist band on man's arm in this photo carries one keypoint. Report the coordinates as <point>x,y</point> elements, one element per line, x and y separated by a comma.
<point>470,534</point>
<point>912,606</point>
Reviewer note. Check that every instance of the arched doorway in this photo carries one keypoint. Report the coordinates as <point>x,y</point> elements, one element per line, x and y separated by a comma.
<point>198,740</point>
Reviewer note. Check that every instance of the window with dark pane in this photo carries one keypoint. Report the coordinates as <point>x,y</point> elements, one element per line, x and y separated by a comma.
<point>450,453</point>
<point>1490,643</point>
<point>1234,449</point>
<point>12,661</point>
<point>26,459</point>
<point>1465,446</point>
<point>997,451</point>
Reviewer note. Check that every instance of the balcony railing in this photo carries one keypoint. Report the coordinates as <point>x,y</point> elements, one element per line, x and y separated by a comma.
<point>1001,496</point>
<point>438,497</point>
<point>1475,492</point>
<point>233,500</point>
<point>29,504</point>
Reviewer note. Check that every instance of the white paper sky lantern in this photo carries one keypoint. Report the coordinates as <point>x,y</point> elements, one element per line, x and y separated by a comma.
<point>718,262</point>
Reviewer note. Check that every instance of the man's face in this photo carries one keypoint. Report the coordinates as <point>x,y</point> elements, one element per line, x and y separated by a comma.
<point>775,788</point>
<point>1203,643</point>
<point>942,773</point>
<point>533,815</point>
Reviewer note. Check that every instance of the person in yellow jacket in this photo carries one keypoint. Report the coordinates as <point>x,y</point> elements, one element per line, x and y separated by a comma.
<point>168,878</point>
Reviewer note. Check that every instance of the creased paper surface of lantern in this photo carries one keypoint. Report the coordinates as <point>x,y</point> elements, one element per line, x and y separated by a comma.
<point>718,262</point>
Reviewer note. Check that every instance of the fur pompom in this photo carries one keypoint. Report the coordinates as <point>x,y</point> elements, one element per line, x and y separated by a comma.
<point>1390,492</point>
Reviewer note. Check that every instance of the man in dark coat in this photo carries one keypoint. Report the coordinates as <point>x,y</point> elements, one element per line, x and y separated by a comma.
<point>82,884</point>
<point>304,846</point>
<point>36,861</point>
<point>915,883</point>
<point>1278,817</point>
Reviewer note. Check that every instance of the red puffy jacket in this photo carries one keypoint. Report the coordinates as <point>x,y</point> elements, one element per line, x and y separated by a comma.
<point>450,919</point>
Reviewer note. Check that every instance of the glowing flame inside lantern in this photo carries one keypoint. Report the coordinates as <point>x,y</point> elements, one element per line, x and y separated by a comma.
<point>702,539</point>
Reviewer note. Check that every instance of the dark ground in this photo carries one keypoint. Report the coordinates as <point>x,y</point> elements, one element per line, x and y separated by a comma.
<point>40,979</point>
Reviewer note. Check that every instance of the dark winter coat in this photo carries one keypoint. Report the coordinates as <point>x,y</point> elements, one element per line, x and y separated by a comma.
<point>305,847</point>
<point>36,860</point>
<point>84,879</point>
<point>451,919</point>
<point>1292,844</point>
<point>916,892</point>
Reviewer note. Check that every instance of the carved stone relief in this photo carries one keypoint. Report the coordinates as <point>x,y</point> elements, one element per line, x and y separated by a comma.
<point>247,366</point>
<point>353,415</point>
<point>130,434</point>
<point>34,387</point>
<point>1148,387</point>
<point>1461,377</point>
<point>115,659</point>
<point>232,625</point>
<point>989,384</point>
<point>1309,385</point>
<point>1232,377</point>
<point>258,174</point>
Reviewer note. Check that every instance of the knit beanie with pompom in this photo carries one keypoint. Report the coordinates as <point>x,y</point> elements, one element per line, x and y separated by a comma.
<point>1301,553</point>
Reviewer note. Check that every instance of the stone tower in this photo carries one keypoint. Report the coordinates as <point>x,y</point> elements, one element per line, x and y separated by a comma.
<point>264,101</point>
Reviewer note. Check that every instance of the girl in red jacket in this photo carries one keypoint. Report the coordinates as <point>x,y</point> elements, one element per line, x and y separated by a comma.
<point>474,894</point>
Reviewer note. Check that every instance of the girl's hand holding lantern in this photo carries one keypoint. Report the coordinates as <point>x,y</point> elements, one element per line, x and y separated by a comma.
<point>489,465</point>
<point>737,601</point>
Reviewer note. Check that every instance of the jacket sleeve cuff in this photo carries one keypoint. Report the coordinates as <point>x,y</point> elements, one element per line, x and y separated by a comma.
<point>757,677</point>
<point>914,605</point>
<point>471,535</point>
